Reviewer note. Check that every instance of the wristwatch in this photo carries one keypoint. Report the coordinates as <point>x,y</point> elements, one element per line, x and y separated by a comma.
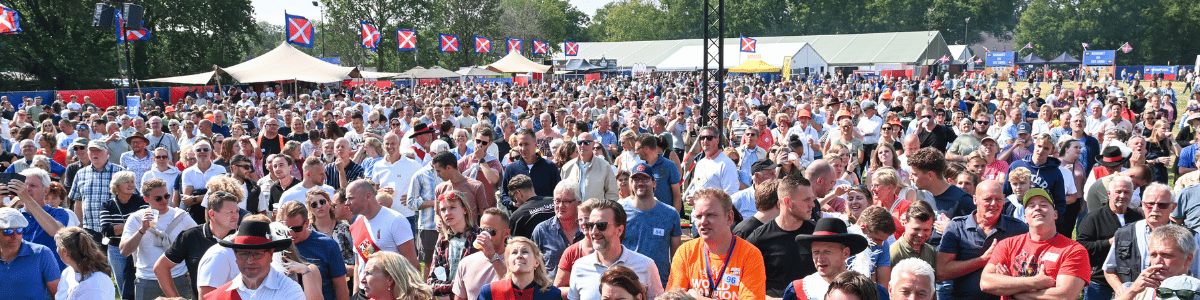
<point>495,257</point>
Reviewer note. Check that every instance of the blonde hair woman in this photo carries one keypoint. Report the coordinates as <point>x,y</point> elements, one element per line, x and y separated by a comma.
<point>891,193</point>
<point>390,276</point>
<point>526,275</point>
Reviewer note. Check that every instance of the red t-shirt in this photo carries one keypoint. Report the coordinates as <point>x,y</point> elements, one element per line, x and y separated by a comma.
<point>766,139</point>
<point>567,261</point>
<point>1024,257</point>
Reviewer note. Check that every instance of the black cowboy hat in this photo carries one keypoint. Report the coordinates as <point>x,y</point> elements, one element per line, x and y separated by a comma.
<point>1115,154</point>
<point>255,235</point>
<point>833,230</point>
<point>419,129</point>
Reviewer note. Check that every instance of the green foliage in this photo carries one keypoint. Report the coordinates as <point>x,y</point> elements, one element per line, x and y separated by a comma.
<point>631,20</point>
<point>60,49</point>
<point>1160,31</point>
<point>339,35</point>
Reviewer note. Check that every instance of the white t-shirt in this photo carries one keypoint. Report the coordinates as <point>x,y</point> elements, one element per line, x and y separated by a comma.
<point>389,230</point>
<point>397,176</point>
<point>151,248</point>
<point>96,286</point>
<point>197,179</point>
<point>296,193</point>
<point>217,267</point>
<point>719,173</point>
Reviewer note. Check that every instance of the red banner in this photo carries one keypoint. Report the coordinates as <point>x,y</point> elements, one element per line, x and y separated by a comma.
<point>521,80</point>
<point>591,77</point>
<point>381,83</point>
<point>101,98</point>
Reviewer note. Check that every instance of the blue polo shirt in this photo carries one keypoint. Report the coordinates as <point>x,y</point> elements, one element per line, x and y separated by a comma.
<point>966,240</point>
<point>25,277</point>
<point>665,173</point>
<point>36,234</point>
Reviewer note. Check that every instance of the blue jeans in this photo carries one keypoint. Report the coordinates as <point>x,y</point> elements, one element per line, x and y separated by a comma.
<point>122,271</point>
<point>945,289</point>
<point>1096,291</point>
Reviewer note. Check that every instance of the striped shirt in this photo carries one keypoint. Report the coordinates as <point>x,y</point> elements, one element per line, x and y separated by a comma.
<point>91,187</point>
<point>353,172</point>
<point>116,213</point>
<point>423,187</point>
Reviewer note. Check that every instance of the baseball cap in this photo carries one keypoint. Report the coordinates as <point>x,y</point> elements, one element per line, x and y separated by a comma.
<point>764,164</point>
<point>1025,128</point>
<point>804,113</point>
<point>1034,192</point>
<point>641,169</point>
<point>98,144</point>
<point>868,105</point>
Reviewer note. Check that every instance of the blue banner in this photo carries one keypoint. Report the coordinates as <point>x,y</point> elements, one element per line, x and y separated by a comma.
<point>1099,57</point>
<point>1165,70</point>
<point>133,105</point>
<point>1000,58</point>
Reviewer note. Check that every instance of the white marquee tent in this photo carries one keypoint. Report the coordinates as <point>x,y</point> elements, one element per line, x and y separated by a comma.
<point>282,63</point>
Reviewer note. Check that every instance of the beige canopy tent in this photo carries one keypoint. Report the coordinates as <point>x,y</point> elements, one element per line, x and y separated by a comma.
<point>515,63</point>
<point>282,63</point>
<point>435,72</point>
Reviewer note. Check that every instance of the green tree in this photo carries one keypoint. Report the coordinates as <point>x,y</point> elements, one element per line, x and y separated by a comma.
<point>340,34</point>
<point>467,18</point>
<point>628,20</point>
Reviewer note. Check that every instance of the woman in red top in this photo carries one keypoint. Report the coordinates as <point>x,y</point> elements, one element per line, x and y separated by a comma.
<point>526,278</point>
<point>49,141</point>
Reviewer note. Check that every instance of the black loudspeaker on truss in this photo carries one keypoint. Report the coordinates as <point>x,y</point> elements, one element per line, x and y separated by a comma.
<point>103,17</point>
<point>132,14</point>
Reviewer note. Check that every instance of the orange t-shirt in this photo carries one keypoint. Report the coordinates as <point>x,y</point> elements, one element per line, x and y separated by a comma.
<point>745,277</point>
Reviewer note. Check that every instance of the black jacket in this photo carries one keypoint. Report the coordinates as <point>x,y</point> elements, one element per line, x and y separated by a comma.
<point>1095,230</point>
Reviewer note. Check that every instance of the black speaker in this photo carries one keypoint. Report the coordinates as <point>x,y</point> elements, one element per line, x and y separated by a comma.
<point>132,16</point>
<point>103,16</point>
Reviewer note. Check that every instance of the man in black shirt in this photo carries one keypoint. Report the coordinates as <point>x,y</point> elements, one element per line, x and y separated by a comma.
<point>531,209</point>
<point>222,215</point>
<point>270,141</point>
<point>776,238</point>
<point>932,134</point>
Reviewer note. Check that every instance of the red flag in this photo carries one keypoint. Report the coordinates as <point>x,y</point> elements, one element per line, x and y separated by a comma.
<point>571,48</point>
<point>408,39</point>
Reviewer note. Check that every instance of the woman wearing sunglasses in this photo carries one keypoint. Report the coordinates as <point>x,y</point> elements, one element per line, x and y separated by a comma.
<point>322,220</point>
<point>457,239</point>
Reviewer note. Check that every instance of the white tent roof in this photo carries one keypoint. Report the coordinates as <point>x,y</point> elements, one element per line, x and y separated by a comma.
<point>691,57</point>
<point>515,63</point>
<point>959,52</point>
<point>282,63</point>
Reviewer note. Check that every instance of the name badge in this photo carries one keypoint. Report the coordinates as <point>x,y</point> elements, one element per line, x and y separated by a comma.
<point>1050,257</point>
<point>659,232</point>
<point>731,279</point>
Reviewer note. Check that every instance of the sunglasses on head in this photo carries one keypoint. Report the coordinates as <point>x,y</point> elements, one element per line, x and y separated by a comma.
<point>12,231</point>
<point>1166,293</point>
<point>600,226</point>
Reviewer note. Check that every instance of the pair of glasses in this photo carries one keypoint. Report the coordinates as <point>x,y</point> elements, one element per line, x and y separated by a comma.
<point>158,156</point>
<point>1165,293</point>
<point>297,228</point>
<point>12,231</point>
<point>1160,205</point>
<point>317,203</point>
<point>707,137</point>
<point>203,149</point>
<point>585,142</point>
<point>599,226</point>
<point>246,167</point>
<point>491,232</point>
<point>983,122</point>
<point>245,255</point>
<point>80,148</point>
<point>159,198</point>
<point>395,124</point>
<point>482,142</point>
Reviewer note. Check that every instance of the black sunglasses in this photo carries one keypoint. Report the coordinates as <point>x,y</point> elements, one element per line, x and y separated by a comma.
<point>247,167</point>
<point>156,156</point>
<point>159,198</point>
<point>297,228</point>
<point>707,137</point>
<point>314,204</point>
<point>1160,205</point>
<point>601,226</point>
<point>1165,293</point>
<point>203,149</point>
<point>481,142</point>
<point>491,232</point>
<point>584,142</point>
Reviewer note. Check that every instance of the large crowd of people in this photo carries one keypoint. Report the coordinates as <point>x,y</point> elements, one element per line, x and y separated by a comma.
<point>950,187</point>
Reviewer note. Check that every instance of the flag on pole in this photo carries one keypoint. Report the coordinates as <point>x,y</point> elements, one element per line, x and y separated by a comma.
<point>448,43</point>
<point>944,59</point>
<point>370,36</point>
<point>137,35</point>
<point>124,36</point>
<point>10,21</point>
<point>749,44</point>
<point>1028,46</point>
<point>514,45</point>
<point>540,47</point>
<point>482,44</point>
<point>408,39</point>
<point>299,30</point>
<point>1086,45</point>
<point>985,48</point>
<point>978,61</point>
<point>1126,48</point>
<point>571,48</point>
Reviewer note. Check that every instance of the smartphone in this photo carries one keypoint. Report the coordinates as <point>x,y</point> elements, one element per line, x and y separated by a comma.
<point>7,177</point>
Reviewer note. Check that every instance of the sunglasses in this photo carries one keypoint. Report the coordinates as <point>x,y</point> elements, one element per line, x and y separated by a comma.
<point>80,148</point>
<point>159,198</point>
<point>982,122</point>
<point>599,226</point>
<point>1165,293</point>
<point>491,232</point>
<point>203,149</point>
<point>482,142</point>
<point>297,228</point>
<point>317,203</point>
<point>12,231</point>
<point>1160,205</point>
<point>157,156</point>
<point>707,137</point>
<point>247,167</point>
<point>584,142</point>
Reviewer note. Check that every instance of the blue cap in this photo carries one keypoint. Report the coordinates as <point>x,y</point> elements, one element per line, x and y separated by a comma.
<point>641,168</point>
<point>1025,128</point>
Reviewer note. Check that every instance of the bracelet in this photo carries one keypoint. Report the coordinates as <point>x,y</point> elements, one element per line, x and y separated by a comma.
<point>306,271</point>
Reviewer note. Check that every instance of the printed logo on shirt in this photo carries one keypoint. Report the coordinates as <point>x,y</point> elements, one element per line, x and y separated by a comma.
<point>659,232</point>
